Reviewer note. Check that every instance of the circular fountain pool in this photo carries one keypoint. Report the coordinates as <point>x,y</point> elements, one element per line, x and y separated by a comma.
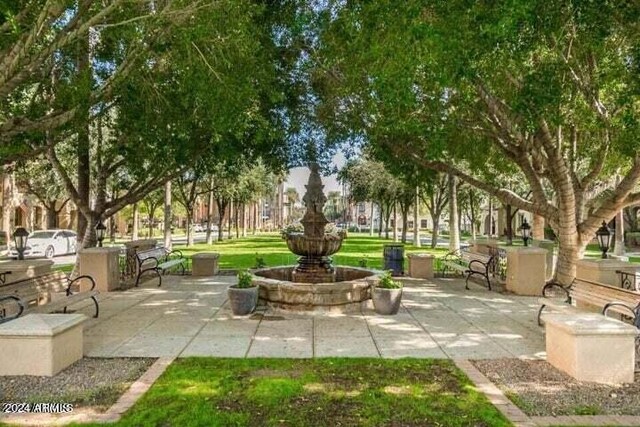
<point>352,287</point>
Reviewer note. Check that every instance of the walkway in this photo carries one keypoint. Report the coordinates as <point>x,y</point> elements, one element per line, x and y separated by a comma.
<point>190,317</point>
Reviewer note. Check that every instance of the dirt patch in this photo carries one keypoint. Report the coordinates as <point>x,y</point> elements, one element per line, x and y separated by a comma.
<point>539,389</point>
<point>90,382</point>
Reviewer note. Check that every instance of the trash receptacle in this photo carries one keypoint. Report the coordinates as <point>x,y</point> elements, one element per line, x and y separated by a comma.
<point>393,258</point>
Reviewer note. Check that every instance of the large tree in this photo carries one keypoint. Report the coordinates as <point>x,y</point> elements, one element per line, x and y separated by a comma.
<point>545,90</point>
<point>45,51</point>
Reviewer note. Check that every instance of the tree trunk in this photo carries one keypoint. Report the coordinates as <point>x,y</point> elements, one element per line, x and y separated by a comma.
<point>230,221</point>
<point>435,218</point>
<point>189,228</point>
<point>472,216</point>
<point>405,220</point>
<point>167,216</point>
<point>395,223</point>
<point>371,222</point>
<point>52,216</point>
<point>416,213</point>
<point>537,228</point>
<point>507,210</point>
<point>235,222</point>
<point>222,206</point>
<point>387,220</point>
<point>255,218</point>
<point>151,222</point>
<point>210,219</point>
<point>454,230</point>
<point>136,215</point>
<point>244,220</point>
<point>7,201</point>
<point>112,229</point>
<point>83,145</point>
<point>490,217</point>
<point>619,248</point>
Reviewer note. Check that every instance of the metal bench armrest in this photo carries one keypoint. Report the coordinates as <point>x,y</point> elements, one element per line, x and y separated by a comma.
<point>18,301</point>
<point>477,261</point>
<point>71,282</point>
<point>176,252</point>
<point>552,285</point>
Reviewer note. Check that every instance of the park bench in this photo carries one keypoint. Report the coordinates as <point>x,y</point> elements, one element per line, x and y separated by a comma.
<point>469,264</point>
<point>51,292</point>
<point>158,260</point>
<point>607,298</point>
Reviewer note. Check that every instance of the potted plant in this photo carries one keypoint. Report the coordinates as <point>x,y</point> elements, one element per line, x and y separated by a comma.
<point>243,296</point>
<point>386,295</point>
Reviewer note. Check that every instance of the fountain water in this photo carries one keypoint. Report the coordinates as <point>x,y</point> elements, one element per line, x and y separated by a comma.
<point>314,283</point>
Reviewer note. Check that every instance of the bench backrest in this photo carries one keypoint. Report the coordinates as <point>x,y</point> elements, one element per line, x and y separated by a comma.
<point>600,294</point>
<point>157,253</point>
<point>32,288</point>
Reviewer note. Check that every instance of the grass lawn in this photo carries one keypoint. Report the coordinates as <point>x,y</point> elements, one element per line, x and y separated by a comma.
<point>242,253</point>
<point>312,392</point>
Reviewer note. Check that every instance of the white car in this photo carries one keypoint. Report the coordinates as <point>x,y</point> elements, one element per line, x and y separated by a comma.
<point>48,243</point>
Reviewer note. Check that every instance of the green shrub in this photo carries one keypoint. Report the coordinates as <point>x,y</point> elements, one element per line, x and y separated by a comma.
<point>387,282</point>
<point>245,280</point>
<point>260,262</point>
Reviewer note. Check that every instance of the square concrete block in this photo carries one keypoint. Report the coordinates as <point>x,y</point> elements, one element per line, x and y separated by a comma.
<point>421,266</point>
<point>205,264</point>
<point>591,347</point>
<point>40,344</point>
<point>102,265</point>
<point>526,270</point>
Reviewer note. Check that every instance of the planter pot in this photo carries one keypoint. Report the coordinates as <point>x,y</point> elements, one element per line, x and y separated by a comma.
<point>386,301</point>
<point>242,300</point>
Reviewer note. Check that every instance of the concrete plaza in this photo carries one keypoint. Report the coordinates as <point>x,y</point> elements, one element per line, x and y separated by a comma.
<point>190,316</point>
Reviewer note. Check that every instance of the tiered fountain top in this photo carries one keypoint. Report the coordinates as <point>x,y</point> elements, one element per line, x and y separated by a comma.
<point>314,199</point>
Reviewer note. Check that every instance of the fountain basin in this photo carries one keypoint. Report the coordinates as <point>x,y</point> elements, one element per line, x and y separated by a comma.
<point>347,294</point>
<point>313,247</point>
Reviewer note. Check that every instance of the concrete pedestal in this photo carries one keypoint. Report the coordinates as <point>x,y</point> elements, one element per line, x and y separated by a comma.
<point>604,270</point>
<point>549,246</point>
<point>40,344</point>
<point>421,266</point>
<point>102,265</point>
<point>591,347</point>
<point>204,264</point>
<point>526,270</point>
<point>25,269</point>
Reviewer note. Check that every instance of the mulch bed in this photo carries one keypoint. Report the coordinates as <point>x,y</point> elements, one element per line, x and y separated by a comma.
<point>539,389</point>
<point>90,382</point>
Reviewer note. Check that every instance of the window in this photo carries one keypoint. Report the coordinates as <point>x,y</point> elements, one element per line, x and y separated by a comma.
<point>424,223</point>
<point>361,207</point>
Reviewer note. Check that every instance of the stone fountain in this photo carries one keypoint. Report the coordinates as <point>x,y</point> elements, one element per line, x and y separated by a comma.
<point>314,245</point>
<point>314,283</point>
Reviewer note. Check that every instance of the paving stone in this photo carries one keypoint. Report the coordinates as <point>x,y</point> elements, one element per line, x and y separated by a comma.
<point>345,346</point>
<point>151,346</point>
<point>286,328</point>
<point>233,327</point>
<point>268,346</point>
<point>341,326</point>
<point>217,346</point>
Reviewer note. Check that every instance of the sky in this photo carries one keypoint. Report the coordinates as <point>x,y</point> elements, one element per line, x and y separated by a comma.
<point>298,177</point>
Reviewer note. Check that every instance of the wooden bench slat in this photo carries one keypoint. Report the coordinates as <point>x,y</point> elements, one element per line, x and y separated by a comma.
<point>598,295</point>
<point>48,292</point>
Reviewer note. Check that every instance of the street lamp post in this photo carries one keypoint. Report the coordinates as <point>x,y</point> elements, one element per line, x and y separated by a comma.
<point>20,237</point>
<point>100,232</point>
<point>604,238</point>
<point>525,229</point>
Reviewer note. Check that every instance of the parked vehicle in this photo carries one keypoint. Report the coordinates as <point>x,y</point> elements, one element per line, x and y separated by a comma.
<point>48,243</point>
<point>199,228</point>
